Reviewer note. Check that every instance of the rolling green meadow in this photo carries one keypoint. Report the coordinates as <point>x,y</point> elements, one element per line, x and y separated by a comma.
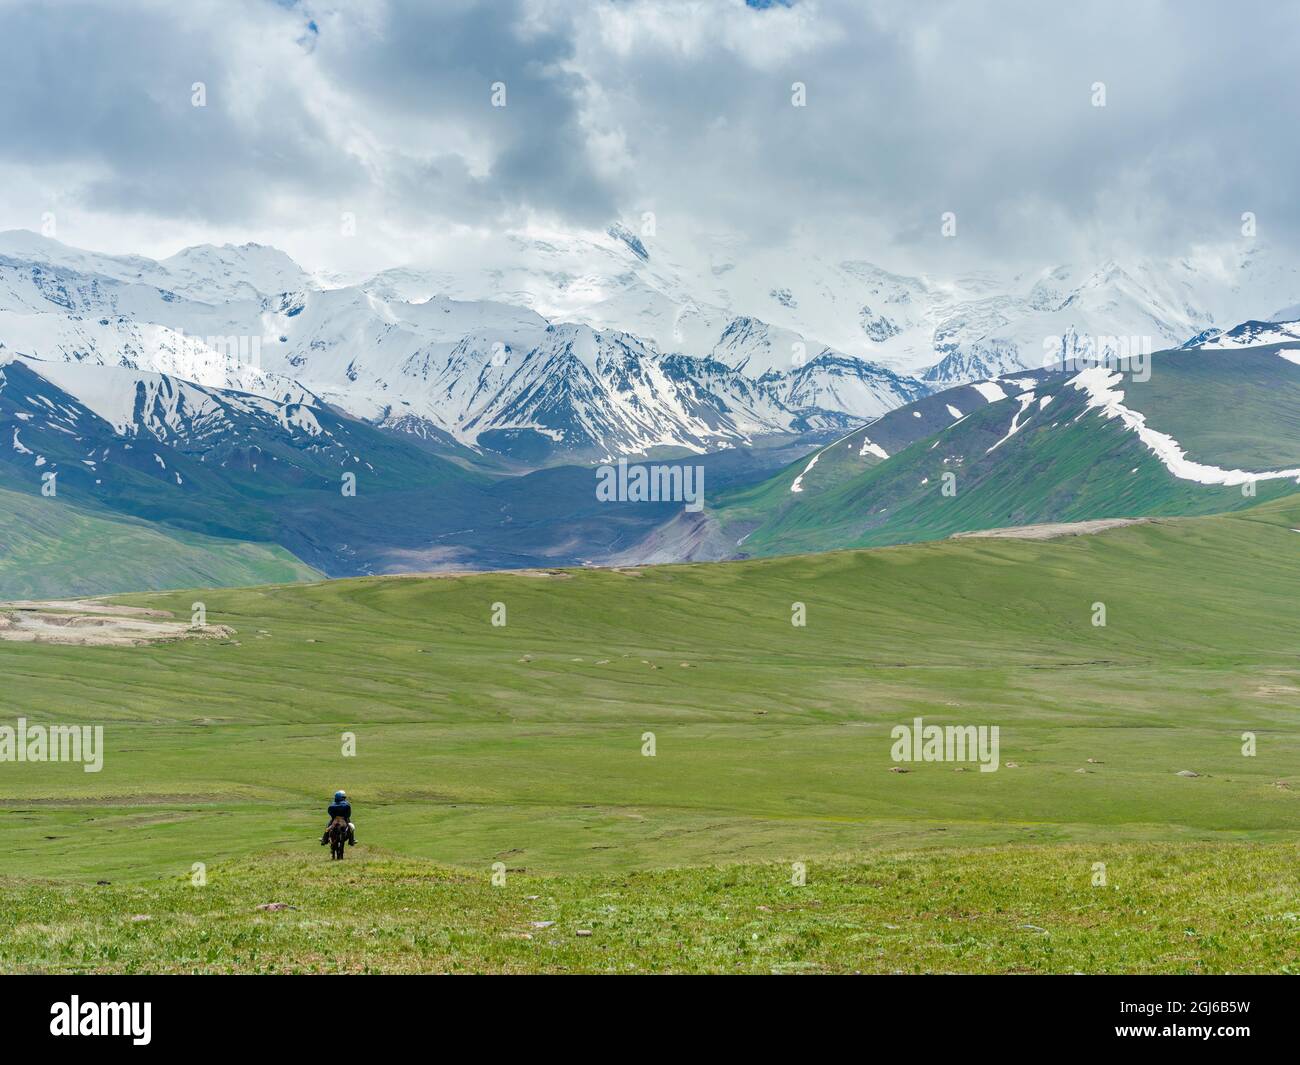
<point>520,747</point>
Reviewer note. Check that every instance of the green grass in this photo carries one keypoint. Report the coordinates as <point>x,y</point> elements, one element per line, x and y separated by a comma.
<point>1159,909</point>
<point>522,744</point>
<point>475,741</point>
<point>48,548</point>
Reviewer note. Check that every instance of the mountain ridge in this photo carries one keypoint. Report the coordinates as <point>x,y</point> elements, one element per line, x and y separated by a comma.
<point>445,367</point>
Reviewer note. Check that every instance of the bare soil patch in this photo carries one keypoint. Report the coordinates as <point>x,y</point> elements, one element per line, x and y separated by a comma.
<point>89,622</point>
<point>1050,530</point>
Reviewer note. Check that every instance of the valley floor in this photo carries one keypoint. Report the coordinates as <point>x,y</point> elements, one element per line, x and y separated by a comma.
<point>648,751</point>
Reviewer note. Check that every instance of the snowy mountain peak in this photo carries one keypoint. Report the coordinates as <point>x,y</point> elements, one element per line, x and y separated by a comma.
<point>1247,335</point>
<point>213,273</point>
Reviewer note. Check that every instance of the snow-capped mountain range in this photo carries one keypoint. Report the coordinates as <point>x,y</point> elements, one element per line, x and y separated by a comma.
<point>945,330</point>
<point>586,346</point>
<point>485,374</point>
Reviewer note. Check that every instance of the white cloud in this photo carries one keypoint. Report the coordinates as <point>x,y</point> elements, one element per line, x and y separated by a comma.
<point>381,108</point>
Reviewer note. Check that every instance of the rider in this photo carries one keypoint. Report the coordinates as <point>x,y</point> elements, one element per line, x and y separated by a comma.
<point>340,807</point>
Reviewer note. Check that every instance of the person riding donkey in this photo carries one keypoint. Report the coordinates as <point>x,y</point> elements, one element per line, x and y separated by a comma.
<point>340,807</point>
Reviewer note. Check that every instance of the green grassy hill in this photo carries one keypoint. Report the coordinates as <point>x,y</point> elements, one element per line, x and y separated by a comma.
<point>1064,462</point>
<point>1238,408</point>
<point>522,743</point>
<point>50,548</point>
<point>520,747</point>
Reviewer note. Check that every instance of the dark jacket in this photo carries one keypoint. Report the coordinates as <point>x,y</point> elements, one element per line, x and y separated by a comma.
<point>341,809</point>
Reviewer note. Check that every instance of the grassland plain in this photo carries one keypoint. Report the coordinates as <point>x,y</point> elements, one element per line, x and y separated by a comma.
<point>522,744</point>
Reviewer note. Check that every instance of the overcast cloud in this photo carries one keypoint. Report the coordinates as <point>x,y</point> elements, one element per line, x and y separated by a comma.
<point>383,108</point>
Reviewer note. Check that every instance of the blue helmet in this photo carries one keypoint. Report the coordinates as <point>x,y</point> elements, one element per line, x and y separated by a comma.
<point>340,796</point>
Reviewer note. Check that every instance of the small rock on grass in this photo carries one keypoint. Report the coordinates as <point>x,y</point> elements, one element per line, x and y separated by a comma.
<point>584,931</point>
<point>273,906</point>
<point>1187,773</point>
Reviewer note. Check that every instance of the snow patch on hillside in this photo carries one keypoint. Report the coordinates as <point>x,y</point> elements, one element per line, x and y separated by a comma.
<point>1099,384</point>
<point>990,391</point>
<point>798,481</point>
<point>1025,398</point>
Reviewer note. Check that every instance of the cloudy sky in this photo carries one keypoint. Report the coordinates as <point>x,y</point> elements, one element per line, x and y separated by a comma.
<point>383,110</point>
